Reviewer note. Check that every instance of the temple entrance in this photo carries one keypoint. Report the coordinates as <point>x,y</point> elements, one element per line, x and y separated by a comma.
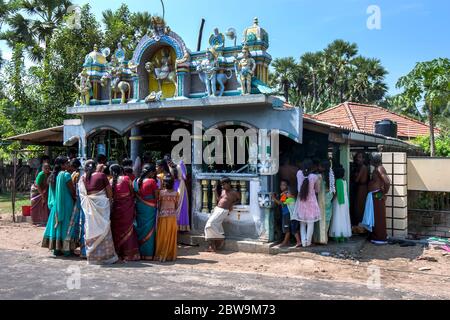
<point>109,143</point>
<point>156,137</point>
<point>156,143</point>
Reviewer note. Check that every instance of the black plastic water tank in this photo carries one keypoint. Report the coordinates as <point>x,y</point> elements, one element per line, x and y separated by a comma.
<point>386,127</point>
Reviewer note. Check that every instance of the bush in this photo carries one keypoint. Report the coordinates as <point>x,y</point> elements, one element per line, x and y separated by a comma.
<point>442,144</point>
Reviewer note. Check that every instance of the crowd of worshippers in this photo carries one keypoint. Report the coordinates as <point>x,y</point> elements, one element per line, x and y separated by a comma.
<point>316,205</point>
<point>107,213</point>
<point>125,212</point>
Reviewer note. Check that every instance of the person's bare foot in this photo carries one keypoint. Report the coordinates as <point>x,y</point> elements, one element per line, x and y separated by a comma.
<point>212,246</point>
<point>147,258</point>
<point>284,245</point>
<point>220,244</point>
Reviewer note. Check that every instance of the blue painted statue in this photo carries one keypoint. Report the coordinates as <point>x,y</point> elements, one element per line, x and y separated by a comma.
<point>211,74</point>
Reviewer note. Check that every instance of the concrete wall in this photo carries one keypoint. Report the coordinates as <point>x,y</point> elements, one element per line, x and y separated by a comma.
<point>429,174</point>
<point>426,223</point>
<point>397,198</point>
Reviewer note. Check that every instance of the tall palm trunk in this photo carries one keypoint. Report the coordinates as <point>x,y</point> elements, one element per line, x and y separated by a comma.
<point>286,90</point>
<point>431,124</point>
<point>314,86</point>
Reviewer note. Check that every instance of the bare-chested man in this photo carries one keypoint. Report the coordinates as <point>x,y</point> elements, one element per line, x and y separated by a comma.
<point>214,232</point>
<point>379,185</point>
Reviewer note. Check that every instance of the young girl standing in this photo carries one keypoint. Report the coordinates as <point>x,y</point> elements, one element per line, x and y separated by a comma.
<point>166,235</point>
<point>341,227</point>
<point>307,208</point>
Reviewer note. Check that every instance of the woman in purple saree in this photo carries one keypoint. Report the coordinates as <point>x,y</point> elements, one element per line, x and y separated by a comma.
<point>180,176</point>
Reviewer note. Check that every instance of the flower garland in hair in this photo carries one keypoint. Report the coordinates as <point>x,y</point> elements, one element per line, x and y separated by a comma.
<point>332,179</point>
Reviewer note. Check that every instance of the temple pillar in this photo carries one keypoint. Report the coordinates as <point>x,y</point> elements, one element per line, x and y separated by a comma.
<point>196,160</point>
<point>267,213</point>
<point>135,143</point>
<point>82,147</point>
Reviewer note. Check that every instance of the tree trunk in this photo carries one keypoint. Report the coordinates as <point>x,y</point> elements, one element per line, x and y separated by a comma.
<point>431,123</point>
<point>286,90</point>
<point>315,86</point>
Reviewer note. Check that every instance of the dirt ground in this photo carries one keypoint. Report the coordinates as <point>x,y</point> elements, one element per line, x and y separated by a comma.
<point>397,266</point>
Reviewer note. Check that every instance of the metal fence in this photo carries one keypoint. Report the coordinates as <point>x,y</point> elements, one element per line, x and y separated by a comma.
<point>24,178</point>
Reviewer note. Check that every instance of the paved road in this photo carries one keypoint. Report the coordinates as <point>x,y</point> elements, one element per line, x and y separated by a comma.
<point>28,276</point>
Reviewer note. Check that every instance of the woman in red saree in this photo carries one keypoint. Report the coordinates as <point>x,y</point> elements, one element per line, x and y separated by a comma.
<point>122,216</point>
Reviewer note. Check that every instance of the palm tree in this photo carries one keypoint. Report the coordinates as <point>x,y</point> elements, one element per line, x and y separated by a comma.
<point>310,73</point>
<point>6,8</point>
<point>141,22</point>
<point>366,82</point>
<point>20,34</point>
<point>48,15</point>
<point>336,65</point>
<point>284,70</point>
<point>125,27</point>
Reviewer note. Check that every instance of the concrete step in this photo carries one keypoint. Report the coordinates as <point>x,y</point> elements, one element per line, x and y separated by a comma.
<point>353,245</point>
<point>21,219</point>
<point>235,245</point>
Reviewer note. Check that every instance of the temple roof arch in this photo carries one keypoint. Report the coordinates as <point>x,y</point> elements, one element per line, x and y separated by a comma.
<point>171,39</point>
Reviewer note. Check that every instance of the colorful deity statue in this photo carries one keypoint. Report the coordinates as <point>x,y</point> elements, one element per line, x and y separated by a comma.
<point>217,39</point>
<point>83,85</point>
<point>211,74</point>
<point>159,28</point>
<point>245,67</point>
<point>163,70</point>
<point>116,68</point>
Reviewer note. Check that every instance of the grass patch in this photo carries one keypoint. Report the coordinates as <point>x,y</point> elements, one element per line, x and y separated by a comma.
<point>22,199</point>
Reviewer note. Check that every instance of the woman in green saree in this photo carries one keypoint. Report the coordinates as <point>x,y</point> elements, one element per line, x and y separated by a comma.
<point>61,199</point>
<point>146,188</point>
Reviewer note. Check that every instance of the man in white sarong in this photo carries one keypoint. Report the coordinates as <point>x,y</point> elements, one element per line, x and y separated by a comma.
<point>214,232</point>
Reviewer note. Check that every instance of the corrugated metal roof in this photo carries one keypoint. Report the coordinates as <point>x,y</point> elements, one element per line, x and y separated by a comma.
<point>49,136</point>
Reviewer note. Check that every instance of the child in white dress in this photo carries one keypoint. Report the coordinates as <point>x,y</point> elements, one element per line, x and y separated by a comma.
<point>341,227</point>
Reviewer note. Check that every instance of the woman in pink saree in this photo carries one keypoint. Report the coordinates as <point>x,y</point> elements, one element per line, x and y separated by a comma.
<point>39,196</point>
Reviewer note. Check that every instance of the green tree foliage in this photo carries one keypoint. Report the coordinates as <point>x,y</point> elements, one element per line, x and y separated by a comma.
<point>36,97</point>
<point>442,144</point>
<point>125,27</point>
<point>69,48</point>
<point>334,75</point>
<point>427,86</point>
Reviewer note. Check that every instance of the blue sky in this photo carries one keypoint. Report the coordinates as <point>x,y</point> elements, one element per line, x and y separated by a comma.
<point>411,30</point>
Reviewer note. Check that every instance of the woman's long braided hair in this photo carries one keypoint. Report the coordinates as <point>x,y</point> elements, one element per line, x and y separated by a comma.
<point>89,168</point>
<point>116,172</point>
<point>59,162</point>
<point>307,170</point>
<point>148,168</point>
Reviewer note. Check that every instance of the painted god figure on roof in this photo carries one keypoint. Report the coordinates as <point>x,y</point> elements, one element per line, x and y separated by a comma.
<point>246,69</point>
<point>83,85</point>
<point>211,74</point>
<point>161,69</point>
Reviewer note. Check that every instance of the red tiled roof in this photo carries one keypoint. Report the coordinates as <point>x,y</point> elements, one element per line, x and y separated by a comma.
<point>359,116</point>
